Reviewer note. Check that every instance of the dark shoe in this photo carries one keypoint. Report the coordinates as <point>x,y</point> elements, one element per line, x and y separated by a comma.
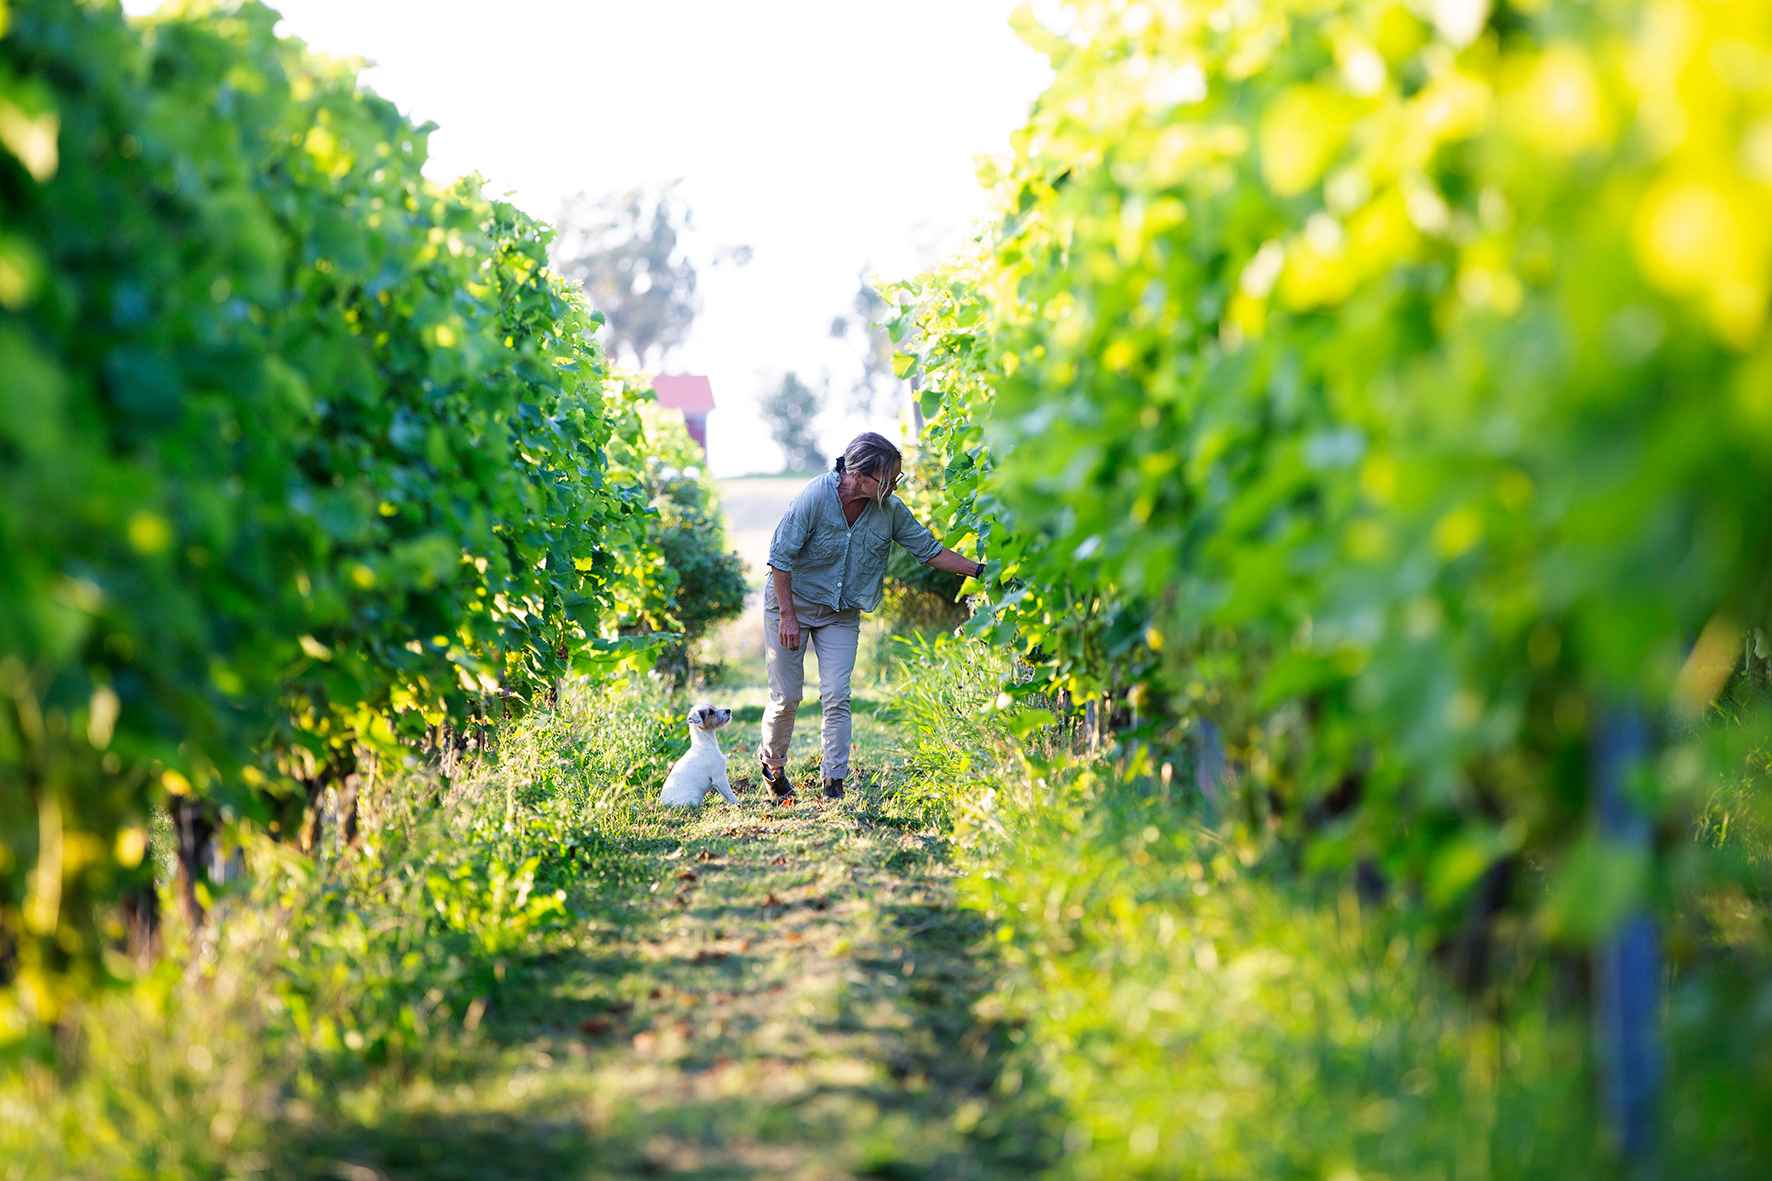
<point>778,782</point>
<point>833,789</point>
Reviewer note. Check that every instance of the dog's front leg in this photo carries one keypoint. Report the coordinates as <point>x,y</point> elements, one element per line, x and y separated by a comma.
<point>724,786</point>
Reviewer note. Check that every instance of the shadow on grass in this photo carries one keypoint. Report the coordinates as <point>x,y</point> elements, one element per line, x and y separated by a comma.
<point>639,848</point>
<point>963,1054</point>
<point>898,1077</point>
<point>446,1146</point>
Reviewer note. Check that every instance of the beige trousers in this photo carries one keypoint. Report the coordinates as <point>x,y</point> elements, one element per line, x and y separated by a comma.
<point>834,635</point>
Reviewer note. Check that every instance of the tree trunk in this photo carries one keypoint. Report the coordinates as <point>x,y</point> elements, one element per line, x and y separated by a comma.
<point>141,923</point>
<point>194,828</point>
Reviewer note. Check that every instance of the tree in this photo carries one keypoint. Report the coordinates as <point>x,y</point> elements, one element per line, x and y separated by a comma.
<point>710,584</point>
<point>876,380</point>
<point>627,250</point>
<point>791,409</point>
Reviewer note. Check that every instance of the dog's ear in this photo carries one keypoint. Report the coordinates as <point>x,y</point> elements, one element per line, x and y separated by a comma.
<point>694,718</point>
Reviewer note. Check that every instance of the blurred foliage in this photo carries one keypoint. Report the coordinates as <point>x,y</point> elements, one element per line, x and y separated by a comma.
<point>301,456</point>
<point>1387,383</point>
<point>876,386</point>
<point>790,410</point>
<point>1202,1015</point>
<point>627,251</point>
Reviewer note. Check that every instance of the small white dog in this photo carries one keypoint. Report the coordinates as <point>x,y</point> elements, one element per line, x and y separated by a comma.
<point>702,768</point>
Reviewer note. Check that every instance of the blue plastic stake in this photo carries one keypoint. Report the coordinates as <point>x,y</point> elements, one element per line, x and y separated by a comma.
<point>1209,768</point>
<point>1629,965</point>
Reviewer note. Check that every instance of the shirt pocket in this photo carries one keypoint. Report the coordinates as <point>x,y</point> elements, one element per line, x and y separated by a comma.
<point>873,549</point>
<point>822,549</point>
<point>870,556</point>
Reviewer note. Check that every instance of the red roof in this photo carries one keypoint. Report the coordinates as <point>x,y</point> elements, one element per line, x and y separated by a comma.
<point>689,392</point>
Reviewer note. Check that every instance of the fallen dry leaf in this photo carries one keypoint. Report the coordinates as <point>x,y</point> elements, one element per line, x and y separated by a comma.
<point>779,861</point>
<point>704,855</point>
<point>688,875</point>
<point>771,900</point>
<point>596,1026</point>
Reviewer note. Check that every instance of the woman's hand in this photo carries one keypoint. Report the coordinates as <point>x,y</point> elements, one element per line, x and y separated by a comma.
<point>789,631</point>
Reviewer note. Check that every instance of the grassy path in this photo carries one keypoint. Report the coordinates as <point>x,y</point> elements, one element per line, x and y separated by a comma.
<point>788,993</point>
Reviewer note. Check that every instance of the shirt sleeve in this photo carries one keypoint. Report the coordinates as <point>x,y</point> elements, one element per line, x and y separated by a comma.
<point>909,532</point>
<point>790,535</point>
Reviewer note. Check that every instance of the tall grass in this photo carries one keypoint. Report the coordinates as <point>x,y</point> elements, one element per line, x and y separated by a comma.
<point>362,967</point>
<point>1204,1014</point>
<point>944,691</point>
<point>1200,1007</point>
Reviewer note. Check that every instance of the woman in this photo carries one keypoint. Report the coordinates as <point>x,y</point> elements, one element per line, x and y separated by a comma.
<point>826,563</point>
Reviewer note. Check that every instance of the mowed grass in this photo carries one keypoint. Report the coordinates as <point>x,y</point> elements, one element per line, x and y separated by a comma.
<point>793,999</point>
<point>788,992</point>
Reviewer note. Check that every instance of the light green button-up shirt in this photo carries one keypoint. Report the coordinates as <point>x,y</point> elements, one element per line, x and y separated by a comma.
<point>838,564</point>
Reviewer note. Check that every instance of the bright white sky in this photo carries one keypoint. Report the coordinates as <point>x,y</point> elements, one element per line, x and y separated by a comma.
<point>831,136</point>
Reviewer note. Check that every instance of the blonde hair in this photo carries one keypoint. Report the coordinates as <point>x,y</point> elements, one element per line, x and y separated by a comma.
<point>871,454</point>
